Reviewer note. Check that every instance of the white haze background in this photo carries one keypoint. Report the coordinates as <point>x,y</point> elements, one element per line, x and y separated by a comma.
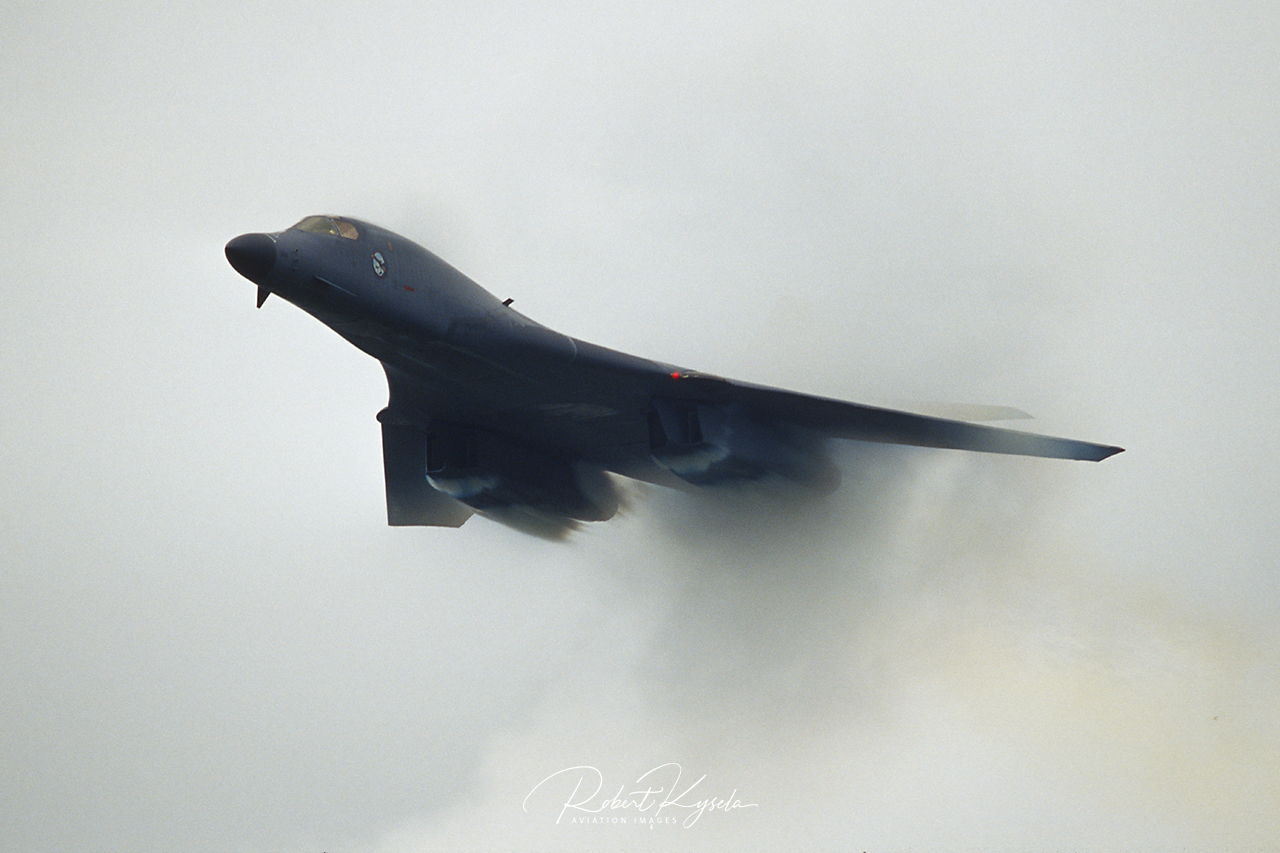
<point>209,639</point>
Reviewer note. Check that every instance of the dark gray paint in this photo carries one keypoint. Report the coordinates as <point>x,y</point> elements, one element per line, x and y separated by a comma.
<point>494,412</point>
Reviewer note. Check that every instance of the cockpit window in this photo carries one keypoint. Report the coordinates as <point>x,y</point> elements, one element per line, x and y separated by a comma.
<point>328,225</point>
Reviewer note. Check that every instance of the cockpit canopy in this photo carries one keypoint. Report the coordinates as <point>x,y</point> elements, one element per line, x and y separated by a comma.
<point>328,225</point>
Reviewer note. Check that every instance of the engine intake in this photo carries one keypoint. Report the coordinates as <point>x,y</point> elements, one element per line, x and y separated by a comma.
<point>706,444</point>
<point>489,472</point>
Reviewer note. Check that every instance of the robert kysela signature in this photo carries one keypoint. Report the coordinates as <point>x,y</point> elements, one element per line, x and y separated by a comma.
<point>654,792</point>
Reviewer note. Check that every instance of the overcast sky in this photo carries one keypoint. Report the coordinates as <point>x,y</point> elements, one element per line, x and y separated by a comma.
<point>211,641</point>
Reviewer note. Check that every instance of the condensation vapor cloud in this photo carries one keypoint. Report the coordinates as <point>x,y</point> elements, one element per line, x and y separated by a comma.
<point>923,656</point>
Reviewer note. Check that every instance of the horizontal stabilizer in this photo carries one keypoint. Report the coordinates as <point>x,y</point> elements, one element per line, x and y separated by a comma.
<point>963,411</point>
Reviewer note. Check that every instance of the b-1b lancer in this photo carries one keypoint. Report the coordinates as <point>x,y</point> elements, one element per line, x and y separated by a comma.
<point>494,413</point>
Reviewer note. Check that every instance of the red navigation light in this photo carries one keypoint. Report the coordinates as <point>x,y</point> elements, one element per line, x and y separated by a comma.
<point>675,374</point>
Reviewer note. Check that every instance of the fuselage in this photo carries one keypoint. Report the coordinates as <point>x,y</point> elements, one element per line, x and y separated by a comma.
<point>453,351</point>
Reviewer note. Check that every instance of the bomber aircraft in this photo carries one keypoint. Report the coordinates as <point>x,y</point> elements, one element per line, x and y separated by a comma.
<point>491,412</point>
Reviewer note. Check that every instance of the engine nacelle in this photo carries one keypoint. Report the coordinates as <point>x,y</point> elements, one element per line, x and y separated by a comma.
<point>491,473</point>
<point>706,444</point>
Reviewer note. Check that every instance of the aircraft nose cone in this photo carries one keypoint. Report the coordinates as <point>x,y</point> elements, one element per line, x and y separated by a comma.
<point>252,255</point>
